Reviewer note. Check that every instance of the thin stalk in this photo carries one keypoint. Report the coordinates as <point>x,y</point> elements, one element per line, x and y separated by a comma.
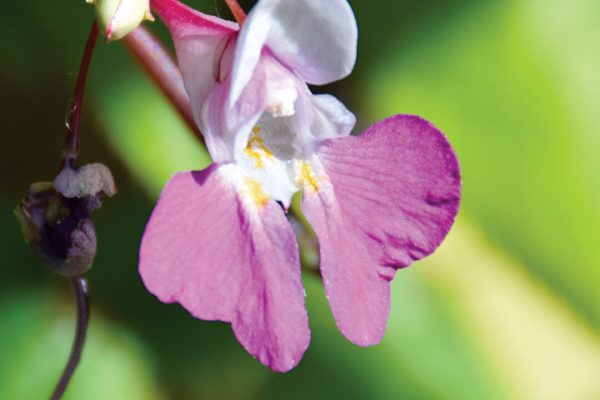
<point>237,11</point>
<point>162,69</point>
<point>72,145</point>
<point>80,292</point>
<point>79,285</point>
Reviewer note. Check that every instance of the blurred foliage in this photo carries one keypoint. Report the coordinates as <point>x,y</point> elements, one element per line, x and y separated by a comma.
<point>156,144</point>
<point>507,308</point>
<point>33,359</point>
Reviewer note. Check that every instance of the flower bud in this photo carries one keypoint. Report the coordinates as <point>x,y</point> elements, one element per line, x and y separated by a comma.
<point>117,18</point>
<point>56,219</point>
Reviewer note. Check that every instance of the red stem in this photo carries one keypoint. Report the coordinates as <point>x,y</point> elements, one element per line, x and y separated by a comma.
<point>160,66</point>
<point>72,145</point>
<point>237,11</point>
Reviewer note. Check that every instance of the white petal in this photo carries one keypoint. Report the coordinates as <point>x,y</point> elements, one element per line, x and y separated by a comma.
<point>315,38</point>
<point>332,118</point>
<point>250,42</point>
<point>319,117</point>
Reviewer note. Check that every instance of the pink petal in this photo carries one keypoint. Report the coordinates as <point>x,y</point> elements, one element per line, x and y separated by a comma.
<point>204,46</point>
<point>227,128</point>
<point>181,18</point>
<point>200,43</point>
<point>391,196</point>
<point>225,258</point>
<point>315,38</point>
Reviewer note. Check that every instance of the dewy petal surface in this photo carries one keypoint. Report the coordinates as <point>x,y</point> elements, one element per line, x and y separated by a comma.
<point>316,39</point>
<point>381,201</point>
<point>226,254</point>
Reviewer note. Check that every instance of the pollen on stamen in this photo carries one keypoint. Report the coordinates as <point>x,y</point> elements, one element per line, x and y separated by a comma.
<point>306,178</point>
<point>256,148</point>
<point>256,192</point>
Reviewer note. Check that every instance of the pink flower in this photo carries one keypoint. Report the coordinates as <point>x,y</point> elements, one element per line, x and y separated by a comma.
<point>219,243</point>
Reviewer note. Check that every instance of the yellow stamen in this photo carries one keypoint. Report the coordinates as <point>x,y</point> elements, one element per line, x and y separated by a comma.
<point>306,178</point>
<point>255,145</point>
<point>256,192</point>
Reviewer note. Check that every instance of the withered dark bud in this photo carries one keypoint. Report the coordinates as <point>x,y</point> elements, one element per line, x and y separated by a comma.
<point>56,217</point>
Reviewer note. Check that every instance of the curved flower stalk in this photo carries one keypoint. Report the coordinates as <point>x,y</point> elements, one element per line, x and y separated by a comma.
<point>56,217</point>
<point>218,241</point>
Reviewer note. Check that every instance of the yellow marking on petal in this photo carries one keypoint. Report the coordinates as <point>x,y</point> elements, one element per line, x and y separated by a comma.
<point>256,148</point>
<point>256,192</point>
<point>307,178</point>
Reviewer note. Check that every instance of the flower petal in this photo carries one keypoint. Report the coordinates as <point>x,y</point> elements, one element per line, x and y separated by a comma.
<point>225,253</point>
<point>389,198</point>
<point>200,43</point>
<point>332,118</point>
<point>318,117</point>
<point>226,130</point>
<point>315,38</point>
<point>182,19</point>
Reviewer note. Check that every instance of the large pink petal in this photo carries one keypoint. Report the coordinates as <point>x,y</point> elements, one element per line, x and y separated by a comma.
<point>390,198</point>
<point>224,257</point>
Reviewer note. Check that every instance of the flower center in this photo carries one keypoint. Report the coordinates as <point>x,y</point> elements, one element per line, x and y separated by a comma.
<point>256,148</point>
<point>275,161</point>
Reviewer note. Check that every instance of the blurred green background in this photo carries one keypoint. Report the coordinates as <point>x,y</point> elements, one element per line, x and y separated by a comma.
<point>509,306</point>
